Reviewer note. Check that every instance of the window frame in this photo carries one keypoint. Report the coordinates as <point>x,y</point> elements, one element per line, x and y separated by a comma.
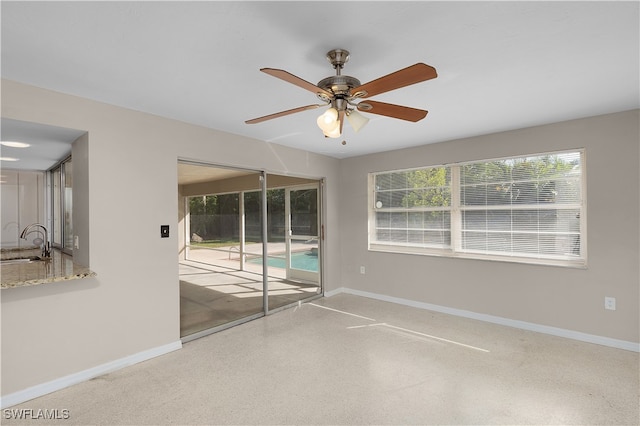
<point>454,250</point>
<point>60,228</point>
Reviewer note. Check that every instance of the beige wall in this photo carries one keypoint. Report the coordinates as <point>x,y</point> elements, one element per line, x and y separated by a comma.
<point>571,299</point>
<point>129,190</point>
<point>81,199</point>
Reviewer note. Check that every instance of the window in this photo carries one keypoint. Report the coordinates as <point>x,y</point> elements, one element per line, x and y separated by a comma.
<point>413,208</point>
<point>61,184</point>
<point>520,209</point>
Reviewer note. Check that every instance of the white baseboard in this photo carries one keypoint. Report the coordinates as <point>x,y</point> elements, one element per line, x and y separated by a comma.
<point>554,331</point>
<point>82,376</point>
<point>334,292</point>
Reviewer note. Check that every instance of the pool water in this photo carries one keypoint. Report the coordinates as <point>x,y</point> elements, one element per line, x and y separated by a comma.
<point>305,260</point>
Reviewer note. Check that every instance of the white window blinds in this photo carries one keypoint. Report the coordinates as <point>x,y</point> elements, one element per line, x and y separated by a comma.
<point>414,207</point>
<point>527,206</point>
<point>524,208</point>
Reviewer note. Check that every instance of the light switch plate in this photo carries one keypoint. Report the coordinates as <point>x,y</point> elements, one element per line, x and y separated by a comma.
<point>164,231</point>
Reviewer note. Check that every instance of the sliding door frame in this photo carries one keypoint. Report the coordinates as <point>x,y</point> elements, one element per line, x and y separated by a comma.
<point>265,243</point>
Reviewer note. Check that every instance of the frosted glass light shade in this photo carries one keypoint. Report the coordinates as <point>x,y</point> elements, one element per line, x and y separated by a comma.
<point>328,120</point>
<point>357,120</point>
<point>330,116</point>
<point>329,123</point>
<point>333,132</point>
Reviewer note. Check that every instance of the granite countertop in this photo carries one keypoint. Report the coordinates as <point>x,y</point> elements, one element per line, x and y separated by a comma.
<point>59,267</point>
<point>18,252</point>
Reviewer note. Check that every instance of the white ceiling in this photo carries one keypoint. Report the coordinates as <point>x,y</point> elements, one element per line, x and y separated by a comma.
<point>48,144</point>
<point>193,173</point>
<point>501,65</point>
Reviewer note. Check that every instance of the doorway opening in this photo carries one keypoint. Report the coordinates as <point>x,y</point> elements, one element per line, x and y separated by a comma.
<point>249,244</point>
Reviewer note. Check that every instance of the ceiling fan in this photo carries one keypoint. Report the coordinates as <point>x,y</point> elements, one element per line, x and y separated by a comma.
<point>341,92</point>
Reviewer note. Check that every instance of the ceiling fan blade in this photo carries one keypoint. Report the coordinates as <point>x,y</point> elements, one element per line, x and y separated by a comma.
<point>391,110</point>
<point>282,113</point>
<point>404,77</point>
<point>290,78</point>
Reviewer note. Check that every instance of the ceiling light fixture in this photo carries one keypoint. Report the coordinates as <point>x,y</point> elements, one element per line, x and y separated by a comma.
<point>331,125</point>
<point>14,144</point>
<point>8,159</point>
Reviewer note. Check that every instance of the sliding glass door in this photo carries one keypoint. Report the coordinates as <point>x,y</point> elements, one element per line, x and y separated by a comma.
<point>250,245</point>
<point>302,236</point>
<point>222,230</point>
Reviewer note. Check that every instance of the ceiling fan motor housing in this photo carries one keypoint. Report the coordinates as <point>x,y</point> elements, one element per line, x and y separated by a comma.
<point>339,85</point>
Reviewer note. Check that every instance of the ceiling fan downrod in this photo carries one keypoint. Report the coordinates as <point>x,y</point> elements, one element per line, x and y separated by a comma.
<point>337,58</point>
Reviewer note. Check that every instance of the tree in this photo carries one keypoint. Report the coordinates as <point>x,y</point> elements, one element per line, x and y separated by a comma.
<point>429,188</point>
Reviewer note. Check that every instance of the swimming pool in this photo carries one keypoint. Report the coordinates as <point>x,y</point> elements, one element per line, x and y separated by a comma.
<point>305,260</point>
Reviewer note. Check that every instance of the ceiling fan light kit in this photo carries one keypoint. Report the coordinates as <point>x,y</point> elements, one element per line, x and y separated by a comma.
<point>356,120</point>
<point>328,123</point>
<point>340,92</point>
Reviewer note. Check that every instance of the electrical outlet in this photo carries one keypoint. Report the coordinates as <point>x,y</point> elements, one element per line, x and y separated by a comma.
<point>610,303</point>
<point>362,270</point>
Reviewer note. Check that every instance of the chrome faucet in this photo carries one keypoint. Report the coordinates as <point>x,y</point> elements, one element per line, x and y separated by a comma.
<point>46,247</point>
